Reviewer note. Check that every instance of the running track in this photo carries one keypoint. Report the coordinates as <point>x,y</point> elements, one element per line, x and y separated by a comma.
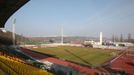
<point>121,63</point>
<point>42,57</point>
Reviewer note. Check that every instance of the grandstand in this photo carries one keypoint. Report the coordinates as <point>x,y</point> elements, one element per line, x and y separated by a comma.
<point>2,72</point>
<point>15,66</point>
<point>12,60</point>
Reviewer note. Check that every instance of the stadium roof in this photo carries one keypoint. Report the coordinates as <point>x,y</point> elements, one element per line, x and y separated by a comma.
<point>7,8</point>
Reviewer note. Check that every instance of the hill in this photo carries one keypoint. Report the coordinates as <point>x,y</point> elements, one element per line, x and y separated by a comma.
<point>6,38</point>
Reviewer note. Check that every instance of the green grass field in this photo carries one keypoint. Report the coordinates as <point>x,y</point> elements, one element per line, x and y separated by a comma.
<point>86,56</point>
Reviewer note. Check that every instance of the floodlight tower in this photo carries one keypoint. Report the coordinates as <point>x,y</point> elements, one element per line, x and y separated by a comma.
<point>13,32</point>
<point>62,35</point>
<point>101,37</point>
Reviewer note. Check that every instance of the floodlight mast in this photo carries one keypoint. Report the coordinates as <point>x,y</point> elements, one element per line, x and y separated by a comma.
<point>62,35</point>
<point>101,38</point>
<point>13,31</point>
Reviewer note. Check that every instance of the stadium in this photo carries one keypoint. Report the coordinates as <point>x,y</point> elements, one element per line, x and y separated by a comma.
<point>90,58</point>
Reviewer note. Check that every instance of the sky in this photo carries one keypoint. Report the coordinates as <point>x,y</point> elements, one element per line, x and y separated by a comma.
<point>42,18</point>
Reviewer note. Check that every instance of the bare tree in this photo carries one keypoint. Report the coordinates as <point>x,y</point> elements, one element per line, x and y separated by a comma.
<point>113,38</point>
<point>129,37</point>
<point>121,38</point>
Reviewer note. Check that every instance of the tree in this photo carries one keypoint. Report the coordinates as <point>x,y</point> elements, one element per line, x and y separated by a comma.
<point>88,45</point>
<point>116,38</point>
<point>129,37</point>
<point>51,41</point>
<point>113,38</point>
<point>121,38</point>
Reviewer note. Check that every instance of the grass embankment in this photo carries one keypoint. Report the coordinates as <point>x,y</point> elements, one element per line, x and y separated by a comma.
<point>86,56</point>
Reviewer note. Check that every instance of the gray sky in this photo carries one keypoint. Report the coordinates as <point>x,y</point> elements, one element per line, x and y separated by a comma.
<point>78,18</point>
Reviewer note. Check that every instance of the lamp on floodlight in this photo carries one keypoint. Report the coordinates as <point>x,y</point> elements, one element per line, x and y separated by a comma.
<point>101,38</point>
<point>62,35</point>
<point>13,31</point>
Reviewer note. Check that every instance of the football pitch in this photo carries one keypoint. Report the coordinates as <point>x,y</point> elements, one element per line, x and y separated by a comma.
<point>86,56</point>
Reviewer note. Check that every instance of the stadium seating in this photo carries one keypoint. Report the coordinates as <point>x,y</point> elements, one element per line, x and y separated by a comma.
<point>17,67</point>
<point>2,72</point>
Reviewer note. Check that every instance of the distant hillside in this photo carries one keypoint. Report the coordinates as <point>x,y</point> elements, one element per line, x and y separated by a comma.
<point>66,39</point>
<point>6,38</point>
